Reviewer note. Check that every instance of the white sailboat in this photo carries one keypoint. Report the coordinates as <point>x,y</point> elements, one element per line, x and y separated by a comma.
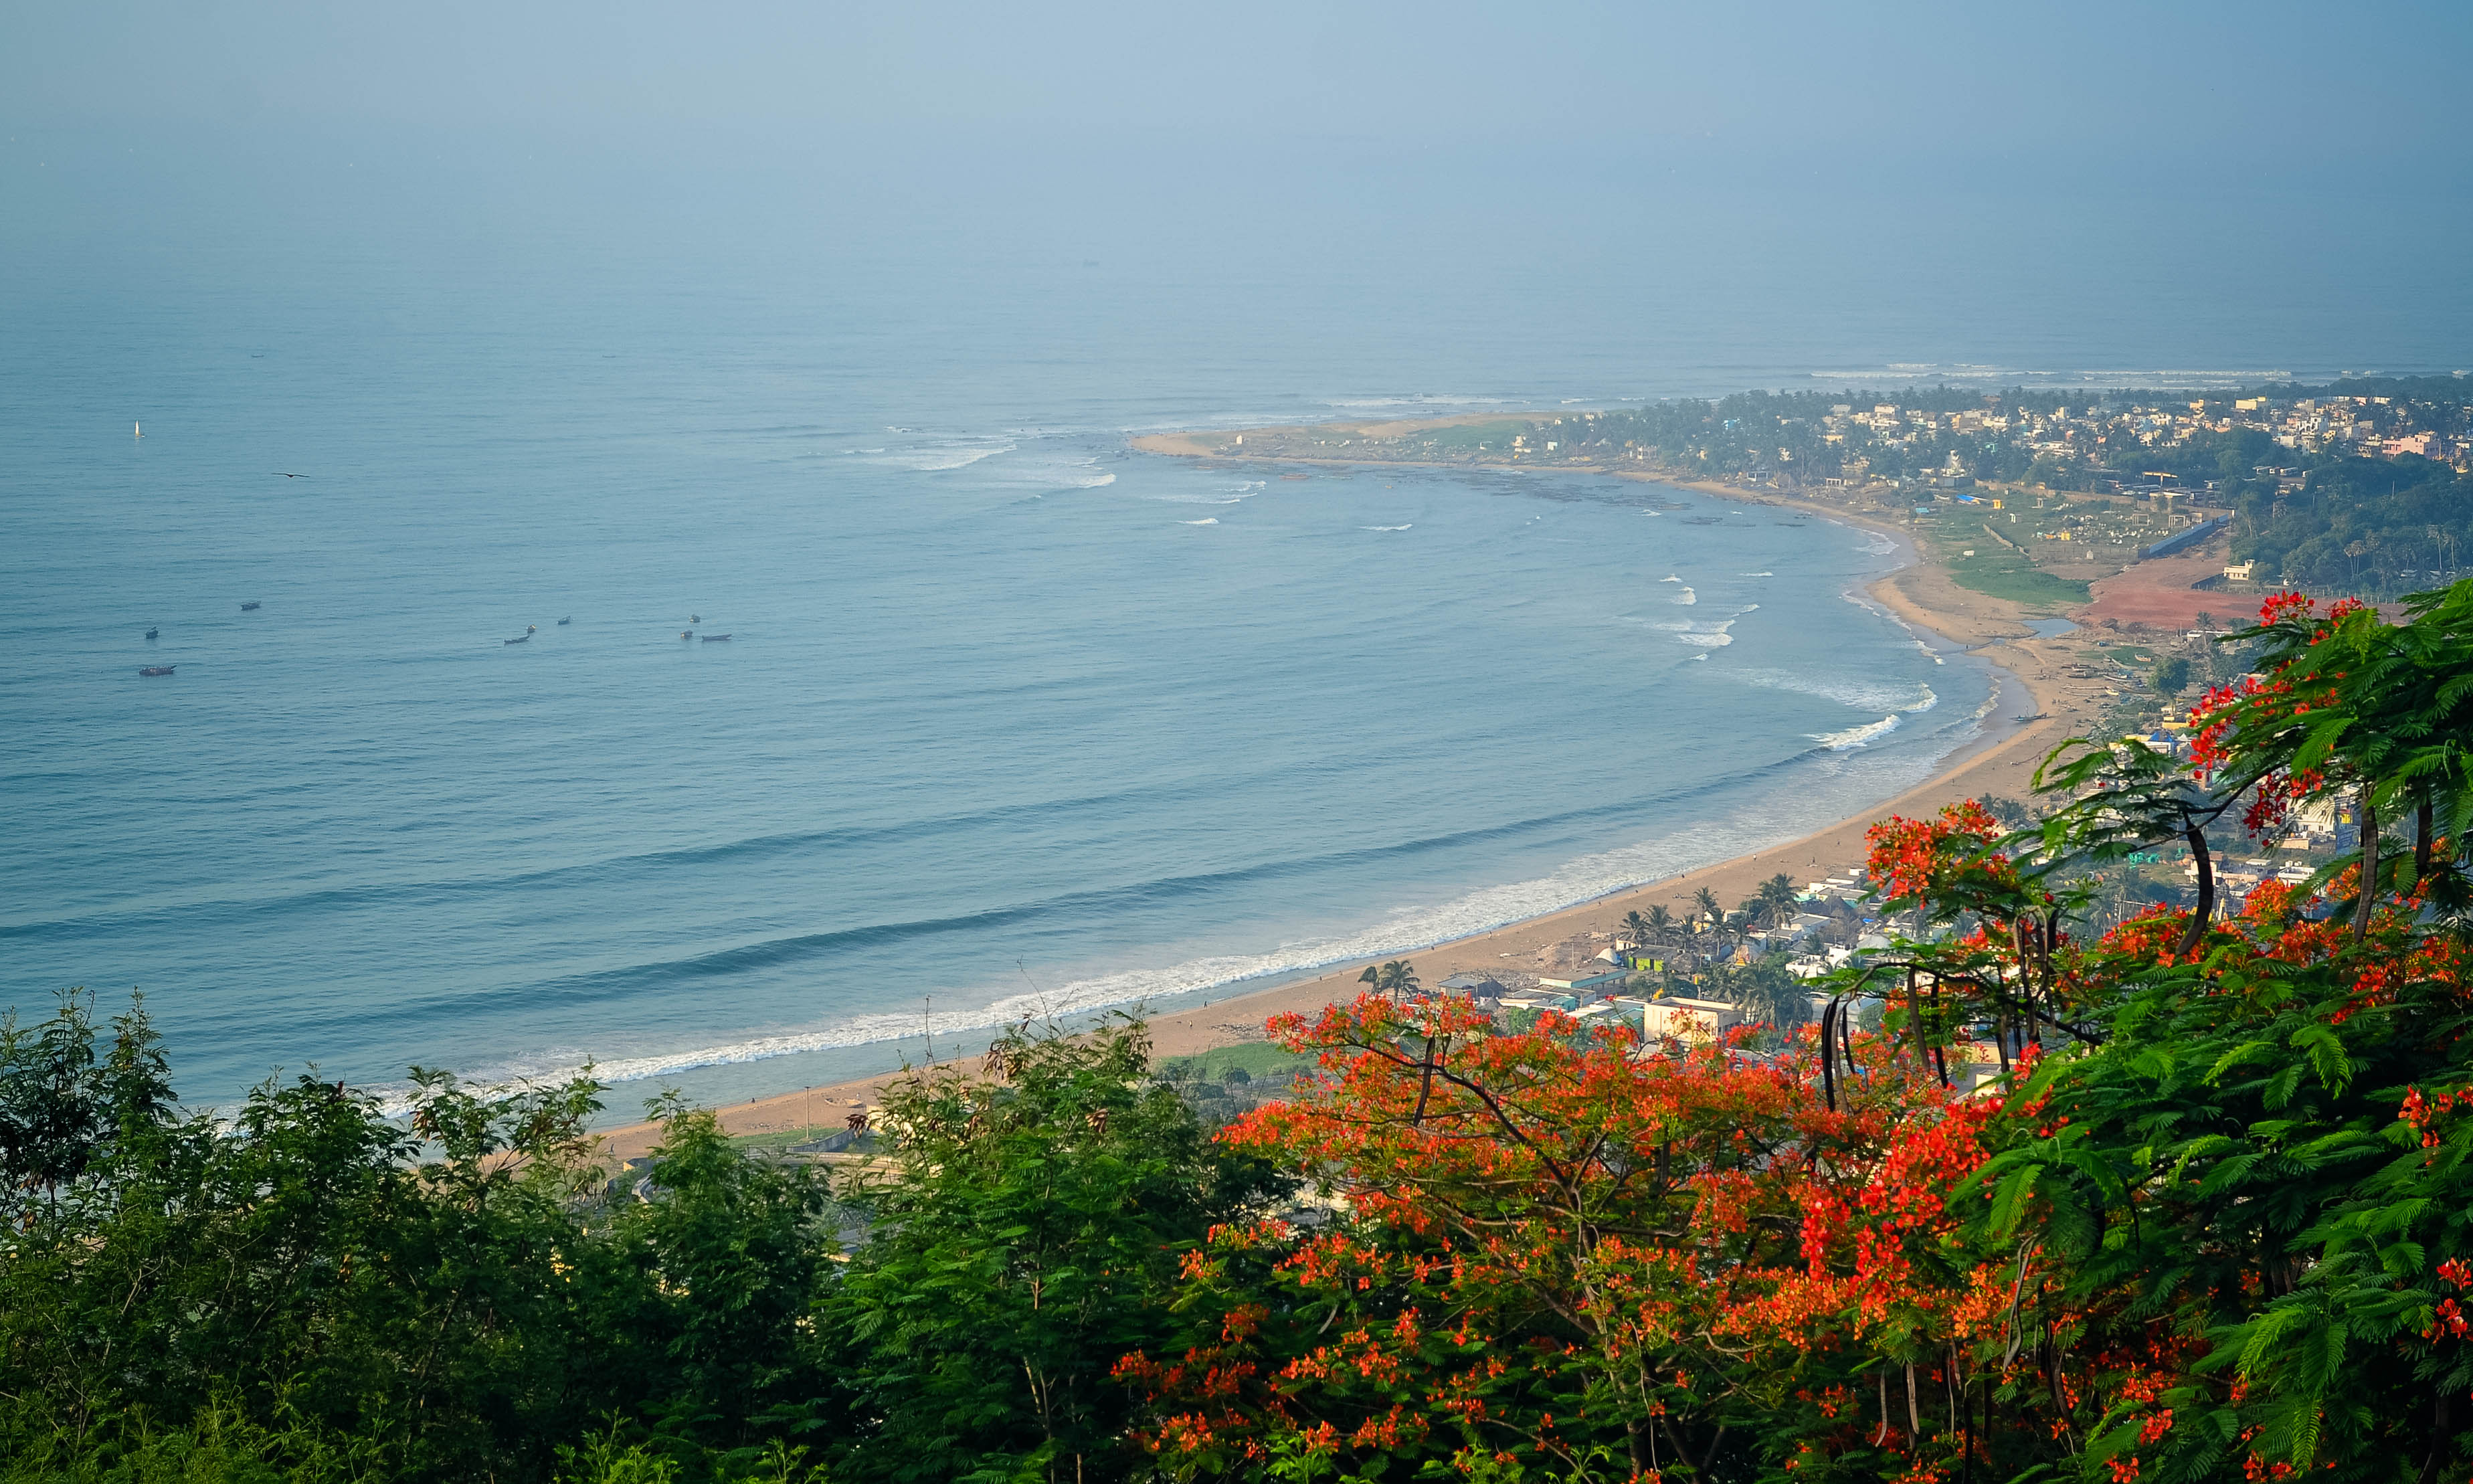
<point>138,430</point>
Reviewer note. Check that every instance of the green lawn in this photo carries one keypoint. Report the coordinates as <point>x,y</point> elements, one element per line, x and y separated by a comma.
<point>1466,437</point>
<point>1999,572</point>
<point>783,1138</point>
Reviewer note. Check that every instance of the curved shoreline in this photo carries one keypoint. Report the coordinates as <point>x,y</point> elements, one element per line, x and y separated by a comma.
<point>1916,595</point>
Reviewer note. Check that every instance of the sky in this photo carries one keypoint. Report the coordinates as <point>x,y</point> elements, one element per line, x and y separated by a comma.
<point>1481,145</point>
<point>1902,90</point>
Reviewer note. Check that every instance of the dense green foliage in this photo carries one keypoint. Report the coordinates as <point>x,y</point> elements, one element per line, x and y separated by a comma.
<point>313,1290</point>
<point>2370,525</point>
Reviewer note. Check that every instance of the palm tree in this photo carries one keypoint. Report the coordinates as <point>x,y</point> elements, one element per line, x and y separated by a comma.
<point>1636,929</point>
<point>1371,979</point>
<point>1660,921</point>
<point>1708,904</point>
<point>1778,891</point>
<point>1396,979</point>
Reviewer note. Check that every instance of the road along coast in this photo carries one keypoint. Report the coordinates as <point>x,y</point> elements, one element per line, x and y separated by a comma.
<point>1999,762</point>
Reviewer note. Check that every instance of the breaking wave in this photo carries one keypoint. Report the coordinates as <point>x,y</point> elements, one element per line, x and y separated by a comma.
<point>935,458</point>
<point>1856,736</point>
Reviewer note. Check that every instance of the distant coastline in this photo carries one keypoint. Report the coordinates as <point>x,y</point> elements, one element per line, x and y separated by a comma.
<point>1998,760</point>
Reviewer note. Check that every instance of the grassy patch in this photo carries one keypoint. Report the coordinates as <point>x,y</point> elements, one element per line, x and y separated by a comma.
<point>1999,572</point>
<point>1259,1057</point>
<point>1467,435</point>
<point>781,1139</point>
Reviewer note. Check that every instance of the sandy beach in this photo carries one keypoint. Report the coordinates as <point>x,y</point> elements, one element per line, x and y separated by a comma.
<point>2002,761</point>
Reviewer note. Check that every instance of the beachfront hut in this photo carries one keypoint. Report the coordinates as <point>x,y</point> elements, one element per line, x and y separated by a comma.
<point>1581,981</point>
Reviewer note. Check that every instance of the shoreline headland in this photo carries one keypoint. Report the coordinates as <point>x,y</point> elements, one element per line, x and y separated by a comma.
<point>2000,760</point>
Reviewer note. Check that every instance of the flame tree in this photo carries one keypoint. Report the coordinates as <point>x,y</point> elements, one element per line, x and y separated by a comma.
<point>2204,1215</point>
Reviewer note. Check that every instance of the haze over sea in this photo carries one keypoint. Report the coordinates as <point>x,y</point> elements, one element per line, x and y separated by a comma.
<point>1008,716</point>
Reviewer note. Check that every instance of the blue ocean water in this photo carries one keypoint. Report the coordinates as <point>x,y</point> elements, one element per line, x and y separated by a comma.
<point>1010,719</point>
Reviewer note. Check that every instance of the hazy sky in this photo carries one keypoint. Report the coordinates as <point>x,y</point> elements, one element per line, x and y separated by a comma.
<point>2238,162</point>
<point>1898,90</point>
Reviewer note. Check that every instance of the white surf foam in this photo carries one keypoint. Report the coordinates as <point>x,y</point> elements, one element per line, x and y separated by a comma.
<point>1856,736</point>
<point>1756,574</point>
<point>1698,634</point>
<point>936,458</point>
<point>1686,597</point>
<point>1206,521</point>
<point>1388,527</point>
<point>1669,577</point>
<point>1874,697</point>
<point>1374,403</point>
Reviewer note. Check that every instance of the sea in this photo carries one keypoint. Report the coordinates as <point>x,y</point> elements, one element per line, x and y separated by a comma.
<point>737,662</point>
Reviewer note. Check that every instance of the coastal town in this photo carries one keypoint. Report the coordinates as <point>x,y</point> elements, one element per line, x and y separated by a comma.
<point>2364,486</point>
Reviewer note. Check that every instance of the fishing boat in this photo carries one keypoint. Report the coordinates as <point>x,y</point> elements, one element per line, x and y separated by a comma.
<point>568,619</point>
<point>517,640</point>
<point>714,638</point>
<point>150,634</point>
<point>687,634</point>
<point>249,607</point>
<point>157,669</point>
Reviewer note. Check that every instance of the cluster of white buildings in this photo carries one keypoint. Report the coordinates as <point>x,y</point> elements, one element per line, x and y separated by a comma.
<point>2354,426</point>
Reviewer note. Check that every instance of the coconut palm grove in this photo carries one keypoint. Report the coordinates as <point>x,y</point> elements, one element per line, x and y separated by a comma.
<point>2187,1199</point>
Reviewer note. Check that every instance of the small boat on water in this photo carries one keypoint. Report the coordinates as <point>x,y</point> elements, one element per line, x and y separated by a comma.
<point>695,618</point>
<point>249,607</point>
<point>150,634</point>
<point>532,628</point>
<point>714,638</point>
<point>687,634</point>
<point>568,619</point>
<point>157,669</point>
<point>519,638</point>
